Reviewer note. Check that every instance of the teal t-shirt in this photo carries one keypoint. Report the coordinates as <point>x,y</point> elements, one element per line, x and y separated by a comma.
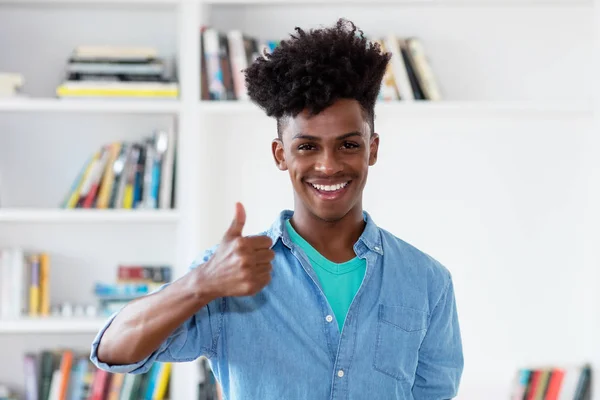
<point>339,282</point>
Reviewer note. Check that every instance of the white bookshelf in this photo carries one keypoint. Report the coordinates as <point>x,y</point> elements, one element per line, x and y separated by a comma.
<point>497,181</point>
<point>135,3</point>
<point>52,325</point>
<point>112,216</point>
<point>89,106</point>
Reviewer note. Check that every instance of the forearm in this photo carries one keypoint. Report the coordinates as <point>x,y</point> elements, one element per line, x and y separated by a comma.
<point>142,325</point>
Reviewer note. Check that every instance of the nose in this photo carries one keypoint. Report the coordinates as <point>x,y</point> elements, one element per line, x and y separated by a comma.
<point>328,163</point>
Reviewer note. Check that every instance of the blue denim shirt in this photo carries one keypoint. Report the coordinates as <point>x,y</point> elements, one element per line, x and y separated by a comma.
<point>401,338</point>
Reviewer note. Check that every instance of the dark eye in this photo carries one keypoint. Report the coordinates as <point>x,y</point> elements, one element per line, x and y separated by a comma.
<point>350,145</point>
<point>306,146</point>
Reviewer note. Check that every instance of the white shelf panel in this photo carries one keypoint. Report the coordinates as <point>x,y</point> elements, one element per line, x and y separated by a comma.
<point>408,2</point>
<point>88,216</point>
<point>284,2</point>
<point>52,325</point>
<point>486,107</point>
<point>425,108</point>
<point>90,105</point>
<point>93,2</point>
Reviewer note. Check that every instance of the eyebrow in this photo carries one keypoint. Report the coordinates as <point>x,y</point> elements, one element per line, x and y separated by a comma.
<point>310,137</point>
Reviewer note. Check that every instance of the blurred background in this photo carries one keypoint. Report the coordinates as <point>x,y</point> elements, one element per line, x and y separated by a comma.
<point>126,138</point>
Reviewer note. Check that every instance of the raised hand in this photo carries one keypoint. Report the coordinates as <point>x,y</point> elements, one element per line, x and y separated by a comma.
<point>241,266</point>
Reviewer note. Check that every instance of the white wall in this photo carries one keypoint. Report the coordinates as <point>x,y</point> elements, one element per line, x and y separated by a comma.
<point>499,201</point>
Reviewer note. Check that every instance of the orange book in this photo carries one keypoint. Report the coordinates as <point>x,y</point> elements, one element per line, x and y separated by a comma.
<point>108,177</point>
<point>66,364</point>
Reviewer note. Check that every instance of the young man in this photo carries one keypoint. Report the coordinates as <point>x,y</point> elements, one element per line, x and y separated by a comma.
<point>324,304</point>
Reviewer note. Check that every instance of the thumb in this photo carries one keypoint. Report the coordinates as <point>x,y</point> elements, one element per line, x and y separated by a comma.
<point>239,219</point>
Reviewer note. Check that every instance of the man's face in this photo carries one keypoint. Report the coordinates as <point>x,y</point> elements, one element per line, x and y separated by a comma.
<point>328,156</point>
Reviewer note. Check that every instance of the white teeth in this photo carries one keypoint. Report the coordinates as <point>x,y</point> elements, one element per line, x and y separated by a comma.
<point>330,188</point>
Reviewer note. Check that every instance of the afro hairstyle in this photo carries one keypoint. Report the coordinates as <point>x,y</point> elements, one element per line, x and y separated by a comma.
<point>311,70</point>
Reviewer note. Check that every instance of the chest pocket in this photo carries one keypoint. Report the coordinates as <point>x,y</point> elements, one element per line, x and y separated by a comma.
<point>400,331</point>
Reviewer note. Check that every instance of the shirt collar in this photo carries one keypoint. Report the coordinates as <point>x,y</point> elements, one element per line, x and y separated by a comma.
<point>371,236</point>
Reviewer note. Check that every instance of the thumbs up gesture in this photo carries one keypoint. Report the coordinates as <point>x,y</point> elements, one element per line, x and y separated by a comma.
<point>241,266</point>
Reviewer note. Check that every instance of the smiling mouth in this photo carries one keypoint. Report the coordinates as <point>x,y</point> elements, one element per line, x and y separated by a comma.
<point>330,192</point>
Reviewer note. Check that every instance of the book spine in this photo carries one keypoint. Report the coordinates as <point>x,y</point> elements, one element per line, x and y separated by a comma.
<point>44,284</point>
<point>216,87</point>
<point>19,284</point>
<point>34,287</point>
<point>166,175</point>
<point>400,72</point>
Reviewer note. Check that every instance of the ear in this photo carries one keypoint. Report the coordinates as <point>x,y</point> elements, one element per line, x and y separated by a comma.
<point>279,154</point>
<point>373,148</point>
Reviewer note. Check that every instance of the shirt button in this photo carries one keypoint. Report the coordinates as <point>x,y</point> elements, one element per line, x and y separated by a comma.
<point>329,318</point>
<point>340,373</point>
<point>377,248</point>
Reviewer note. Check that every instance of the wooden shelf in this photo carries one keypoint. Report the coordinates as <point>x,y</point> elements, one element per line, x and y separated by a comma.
<point>52,325</point>
<point>469,108</point>
<point>90,105</point>
<point>87,216</point>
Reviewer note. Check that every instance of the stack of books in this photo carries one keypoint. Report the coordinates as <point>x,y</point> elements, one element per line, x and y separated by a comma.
<point>132,282</point>
<point>117,72</point>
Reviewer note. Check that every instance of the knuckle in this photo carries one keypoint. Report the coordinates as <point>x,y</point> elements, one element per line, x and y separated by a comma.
<point>247,275</point>
<point>248,287</point>
<point>238,260</point>
<point>239,244</point>
<point>244,261</point>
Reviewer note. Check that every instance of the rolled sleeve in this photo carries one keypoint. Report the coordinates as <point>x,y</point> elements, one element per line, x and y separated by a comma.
<point>140,366</point>
<point>196,337</point>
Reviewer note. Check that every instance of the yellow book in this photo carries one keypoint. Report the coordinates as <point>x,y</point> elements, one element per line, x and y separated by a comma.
<point>72,202</point>
<point>128,196</point>
<point>160,391</point>
<point>109,177</point>
<point>44,284</point>
<point>34,286</point>
<point>108,92</point>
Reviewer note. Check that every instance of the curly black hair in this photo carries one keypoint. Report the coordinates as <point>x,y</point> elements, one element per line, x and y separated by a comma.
<point>313,69</point>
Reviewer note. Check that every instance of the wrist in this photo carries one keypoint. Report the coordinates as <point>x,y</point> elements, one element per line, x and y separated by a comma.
<point>200,288</point>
